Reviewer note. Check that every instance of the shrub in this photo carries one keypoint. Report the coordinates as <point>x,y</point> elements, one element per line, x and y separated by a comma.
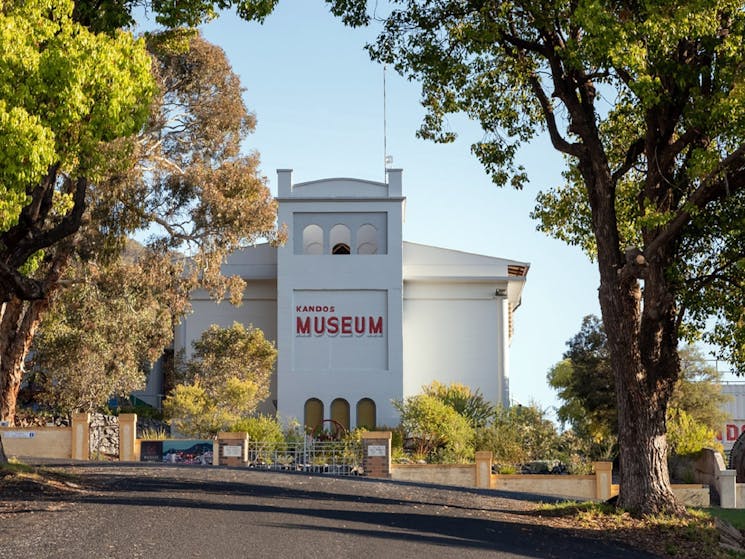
<point>436,430</point>
<point>260,428</point>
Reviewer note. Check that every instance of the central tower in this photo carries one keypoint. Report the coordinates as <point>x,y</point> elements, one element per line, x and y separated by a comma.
<point>339,300</point>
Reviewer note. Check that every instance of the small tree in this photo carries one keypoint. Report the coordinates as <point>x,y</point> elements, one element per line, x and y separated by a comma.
<point>223,382</point>
<point>261,428</point>
<point>471,404</point>
<point>436,429</point>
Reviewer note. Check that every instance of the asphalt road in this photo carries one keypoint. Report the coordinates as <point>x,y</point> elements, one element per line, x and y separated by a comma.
<point>133,511</point>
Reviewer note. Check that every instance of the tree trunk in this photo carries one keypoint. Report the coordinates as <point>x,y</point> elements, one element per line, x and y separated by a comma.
<point>3,457</point>
<point>643,348</point>
<point>18,322</point>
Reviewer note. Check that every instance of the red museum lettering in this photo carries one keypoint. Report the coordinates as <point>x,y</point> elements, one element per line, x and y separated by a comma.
<point>346,325</point>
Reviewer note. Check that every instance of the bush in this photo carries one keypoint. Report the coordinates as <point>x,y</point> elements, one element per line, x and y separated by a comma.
<point>686,435</point>
<point>471,404</point>
<point>260,428</point>
<point>519,434</point>
<point>437,431</point>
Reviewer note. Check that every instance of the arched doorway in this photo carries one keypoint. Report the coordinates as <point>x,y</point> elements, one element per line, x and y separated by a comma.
<point>366,414</point>
<point>313,413</point>
<point>340,412</point>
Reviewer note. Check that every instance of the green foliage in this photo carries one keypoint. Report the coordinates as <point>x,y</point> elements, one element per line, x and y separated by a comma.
<point>110,15</point>
<point>100,334</point>
<point>585,385</point>
<point>261,428</point>
<point>686,435</point>
<point>519,434</point>
<point>225,379</point>
<point>437,431</point>
<point>57,103</point>
<point>584,381</point>
<point>195,413</point>
<point>470,404</point>
<point>105,138</point>
<point>236,352</point>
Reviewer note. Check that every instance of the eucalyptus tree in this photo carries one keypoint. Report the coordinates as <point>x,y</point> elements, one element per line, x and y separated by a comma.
<point>645,101</point>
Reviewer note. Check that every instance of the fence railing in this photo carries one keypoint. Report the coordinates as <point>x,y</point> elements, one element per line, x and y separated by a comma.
<point>309,455</point>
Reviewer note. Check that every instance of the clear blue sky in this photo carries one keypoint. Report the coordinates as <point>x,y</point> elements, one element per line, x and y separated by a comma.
<point>319,103</point>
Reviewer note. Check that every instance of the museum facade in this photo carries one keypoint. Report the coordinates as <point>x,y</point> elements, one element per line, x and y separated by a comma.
<point>360,317</point>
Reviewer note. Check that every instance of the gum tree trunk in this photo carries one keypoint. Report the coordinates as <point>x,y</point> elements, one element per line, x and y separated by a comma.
<point>18,322</point>
<point>642,339</point>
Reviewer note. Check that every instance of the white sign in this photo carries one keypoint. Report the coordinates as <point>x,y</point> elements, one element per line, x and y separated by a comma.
<point>376,450</point>
<point>18,434</point>
<point>232,451</point>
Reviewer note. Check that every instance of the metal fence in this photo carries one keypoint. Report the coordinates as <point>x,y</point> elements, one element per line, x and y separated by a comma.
<point>341,458</point>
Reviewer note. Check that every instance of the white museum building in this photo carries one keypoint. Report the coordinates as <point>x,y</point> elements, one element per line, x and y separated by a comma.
<point>359,316</point>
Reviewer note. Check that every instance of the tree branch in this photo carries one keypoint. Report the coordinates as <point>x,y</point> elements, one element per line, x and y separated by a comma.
<point>728,179</point>
<point>68,225</point>
<point>632,156</point>
<point>557,140</point>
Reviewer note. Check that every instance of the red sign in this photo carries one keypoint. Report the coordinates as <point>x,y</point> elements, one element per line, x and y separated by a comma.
<point>336,325</point>
<point>731,431</point>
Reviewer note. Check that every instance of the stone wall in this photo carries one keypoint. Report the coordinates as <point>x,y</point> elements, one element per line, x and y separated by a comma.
<point>104,437</point>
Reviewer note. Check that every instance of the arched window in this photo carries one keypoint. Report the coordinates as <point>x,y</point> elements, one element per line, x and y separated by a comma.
<point>366,413</point>
<point>313,240</point>
<point>340,239</point>
<point>367,239</point>
<point>313,413</point>
<point>340,412</point>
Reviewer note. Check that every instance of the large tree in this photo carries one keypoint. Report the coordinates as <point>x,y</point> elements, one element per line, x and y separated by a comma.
<point>645,100</point>
<point>64,93</point>
<point>155,147</point>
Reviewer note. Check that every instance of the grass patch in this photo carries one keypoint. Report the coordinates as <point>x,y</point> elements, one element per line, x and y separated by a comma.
<point>736,517</point>
<point>693,535</point>
<point>14,467</point>
<point>15,473</point>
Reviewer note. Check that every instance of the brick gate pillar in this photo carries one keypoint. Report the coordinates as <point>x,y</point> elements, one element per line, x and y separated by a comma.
<point>376,453</point>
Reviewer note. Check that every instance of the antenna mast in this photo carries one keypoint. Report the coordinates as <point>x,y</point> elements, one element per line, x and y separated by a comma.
<point>387,159</point>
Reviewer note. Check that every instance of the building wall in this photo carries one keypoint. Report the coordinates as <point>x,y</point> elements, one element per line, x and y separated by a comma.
<point>375,324</point>
<point>453,333</point>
